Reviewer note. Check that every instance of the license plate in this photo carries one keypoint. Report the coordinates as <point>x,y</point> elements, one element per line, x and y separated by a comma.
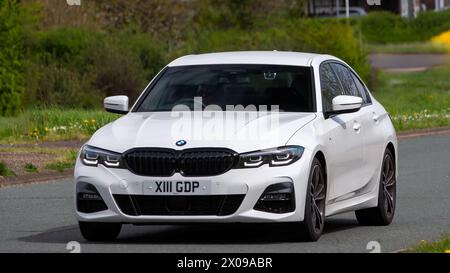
<point>181,187</point>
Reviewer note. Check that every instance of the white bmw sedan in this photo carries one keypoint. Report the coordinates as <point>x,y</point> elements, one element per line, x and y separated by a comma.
<point>241,137</point>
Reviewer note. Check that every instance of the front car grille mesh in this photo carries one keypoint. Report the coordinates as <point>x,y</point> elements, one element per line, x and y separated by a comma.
<point>191,162</point>
<point>151,162</point>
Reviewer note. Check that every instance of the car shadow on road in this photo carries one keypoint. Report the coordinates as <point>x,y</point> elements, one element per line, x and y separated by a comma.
<point>191,234</point>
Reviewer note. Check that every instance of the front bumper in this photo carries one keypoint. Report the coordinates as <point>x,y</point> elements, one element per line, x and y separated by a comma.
<point>249,182</point>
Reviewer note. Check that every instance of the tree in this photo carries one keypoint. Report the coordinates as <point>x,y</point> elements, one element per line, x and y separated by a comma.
<point>11,57</point>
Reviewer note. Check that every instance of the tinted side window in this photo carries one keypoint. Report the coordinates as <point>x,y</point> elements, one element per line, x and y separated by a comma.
<point>361,89</point>
<point>330,86</point>
<point>346,79</point>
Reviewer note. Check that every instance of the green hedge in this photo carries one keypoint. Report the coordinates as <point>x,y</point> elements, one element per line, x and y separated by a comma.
<point>386,27</point>
<point>302,35</point>
<point>75,67</point>
<point>11,57</point>
<point>430,23</point>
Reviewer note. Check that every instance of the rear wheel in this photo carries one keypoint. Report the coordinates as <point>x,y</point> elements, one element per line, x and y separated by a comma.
<point>100,231</point>
<point>384,213</point>
<point>312,226</point>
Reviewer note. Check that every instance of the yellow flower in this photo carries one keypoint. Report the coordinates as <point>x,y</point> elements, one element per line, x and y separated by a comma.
<point>93,121</point>
<point>423,241</point>
<point>443,39</point>
<point>46,129</point>
<point>85,121</point>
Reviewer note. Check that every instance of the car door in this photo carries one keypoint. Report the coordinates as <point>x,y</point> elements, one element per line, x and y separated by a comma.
<point>345,152</point>
<point>372,136</point>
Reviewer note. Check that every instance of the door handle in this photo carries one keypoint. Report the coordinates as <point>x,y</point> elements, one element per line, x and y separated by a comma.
<point>356,126</point>
<point>375,117</point>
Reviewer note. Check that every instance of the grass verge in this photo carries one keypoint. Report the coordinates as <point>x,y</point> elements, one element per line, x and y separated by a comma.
<point>442,245</point>
<point>5,171</point>
<point>416,100</point>
<point>38,160</point>
<point>52,125</point>
<point>65,161</point>
<point>30,168</point>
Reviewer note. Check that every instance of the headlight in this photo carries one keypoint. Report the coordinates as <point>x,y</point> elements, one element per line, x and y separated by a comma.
<point>91,156</point>
<point>280,156</point>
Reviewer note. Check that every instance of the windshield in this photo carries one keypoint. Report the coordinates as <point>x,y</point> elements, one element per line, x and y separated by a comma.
<point>251,87</point>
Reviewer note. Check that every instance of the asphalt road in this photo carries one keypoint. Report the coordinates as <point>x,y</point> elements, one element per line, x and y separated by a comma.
<point>40,218</point>
<point>408,62</point>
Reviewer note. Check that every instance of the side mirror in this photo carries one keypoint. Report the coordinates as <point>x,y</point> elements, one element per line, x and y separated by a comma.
<point>116,104</point>
<point>345,104</point>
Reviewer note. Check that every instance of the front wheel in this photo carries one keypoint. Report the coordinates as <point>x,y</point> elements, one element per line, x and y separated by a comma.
<point>312,226</point>
<point>383,214</point>
<point>100,231</point>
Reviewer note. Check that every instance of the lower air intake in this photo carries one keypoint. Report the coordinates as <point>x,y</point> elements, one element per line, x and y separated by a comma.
<point>219,205</point>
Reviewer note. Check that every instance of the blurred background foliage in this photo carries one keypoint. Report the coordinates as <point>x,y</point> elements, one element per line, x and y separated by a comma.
<point>385,27</point>
<point>14,22</point>
<point>53,54</point>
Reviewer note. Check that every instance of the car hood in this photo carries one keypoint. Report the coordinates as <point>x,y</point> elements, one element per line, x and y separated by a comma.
<point>239,131</point>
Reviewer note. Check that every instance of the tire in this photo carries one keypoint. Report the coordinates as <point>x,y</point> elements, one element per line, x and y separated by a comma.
<point>383,214</point>
<point>313,223</point>
<point>100,231</point>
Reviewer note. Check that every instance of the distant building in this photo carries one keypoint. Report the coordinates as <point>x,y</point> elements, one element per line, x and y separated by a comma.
<point>436,4</point>
<point>406,8</point>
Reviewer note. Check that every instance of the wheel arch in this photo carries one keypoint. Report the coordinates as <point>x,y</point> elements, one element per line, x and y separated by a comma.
<point>321,157</point>
<point>391,148</point>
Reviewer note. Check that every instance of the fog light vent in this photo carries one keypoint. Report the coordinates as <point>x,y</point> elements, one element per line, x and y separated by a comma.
<point>277,198</point>
<point>88,199</point>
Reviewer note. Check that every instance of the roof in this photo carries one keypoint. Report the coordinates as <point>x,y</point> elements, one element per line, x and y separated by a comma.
<point>248,57</point>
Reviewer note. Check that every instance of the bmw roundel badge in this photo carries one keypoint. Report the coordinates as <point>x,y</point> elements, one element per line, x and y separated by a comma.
<point>181,142</point>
